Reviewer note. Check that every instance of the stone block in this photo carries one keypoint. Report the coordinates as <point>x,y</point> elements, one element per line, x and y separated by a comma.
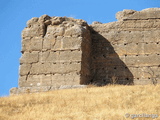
<point>124,14</point>
<point>32,21</point>
<point>30,57</point>
<point>36,44</point>
<point>32,44</point>
<point>24,69</point>
<point>65,79</point>
<point>134,48</point>
<point>35,31</point>
<point>139,72</point>
<point>50,56</point>
<point>142,82</point>
<point>151,36</point>
<point>151,48</point>
<point>149,24</point>
<point>41,68</point>
<point>133,37</point>
<point>149,13</point>
<point>66,68</point>
<point>55,30</point>
<point>156,24</point>
<point>119,71</point>
<point>150,72</point>
<point>114,37</point>
<point>49,42</point>
<point>142,60</point>
<point>137,25</point>
<point>128,25</point>
<point>39,80</point>
<point>70,56</point>
<point>75,31</point>
<point>47,68</point>
<point>26,43</point>
<point>71,43</point>
<point>44,18</point>
<point>65,43</point>
<point>61,56</point>
<point>35,80</point>
<point>29,90</point>
<point>22,81</point>
<point>14,91</point>
<point>120,49</point>
<point>58,44</point>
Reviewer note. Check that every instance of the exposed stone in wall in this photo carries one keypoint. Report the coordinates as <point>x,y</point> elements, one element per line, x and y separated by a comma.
<point>65,51</point>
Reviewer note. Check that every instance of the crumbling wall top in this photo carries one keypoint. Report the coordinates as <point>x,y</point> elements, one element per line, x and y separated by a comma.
<point>149,13</point>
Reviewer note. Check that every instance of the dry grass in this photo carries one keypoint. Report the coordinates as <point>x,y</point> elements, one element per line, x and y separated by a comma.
<point>97,103</point>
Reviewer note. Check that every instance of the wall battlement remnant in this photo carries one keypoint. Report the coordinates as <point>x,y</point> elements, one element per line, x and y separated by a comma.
<point>61,51</point>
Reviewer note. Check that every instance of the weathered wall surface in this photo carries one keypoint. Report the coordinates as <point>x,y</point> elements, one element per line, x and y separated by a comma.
<point>52,53</point>
<point>129,48</point>
<point>64,51</point>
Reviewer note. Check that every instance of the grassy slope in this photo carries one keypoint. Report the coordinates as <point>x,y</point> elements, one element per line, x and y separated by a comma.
<point>95,103</point>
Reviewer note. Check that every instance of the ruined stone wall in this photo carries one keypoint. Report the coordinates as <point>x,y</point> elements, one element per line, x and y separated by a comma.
<point>129,49</point>
<point>53,54</point>
<point>65,51</point>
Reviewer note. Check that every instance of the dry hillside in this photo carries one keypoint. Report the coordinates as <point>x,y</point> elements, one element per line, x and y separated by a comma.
<point>94,103</point>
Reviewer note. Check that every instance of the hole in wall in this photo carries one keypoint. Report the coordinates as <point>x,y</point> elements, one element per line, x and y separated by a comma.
<point>125,43</point>
<point>125,55</point>
<point>104,56</point>
<point>127,78</point>
<point>136,43</point>
<point>149,78</point>
<point>115,68</point>
<point>136,55</point>
<point>157,42</point>
<point>94,57</point>
<point>137,78</point>
<point>146,42</point>
<point>104,80</point>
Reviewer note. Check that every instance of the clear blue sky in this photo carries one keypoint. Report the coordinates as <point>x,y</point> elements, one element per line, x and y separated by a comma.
<point>15,13</point>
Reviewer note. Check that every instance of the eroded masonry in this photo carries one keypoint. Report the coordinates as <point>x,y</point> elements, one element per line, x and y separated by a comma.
<point>59,51</point>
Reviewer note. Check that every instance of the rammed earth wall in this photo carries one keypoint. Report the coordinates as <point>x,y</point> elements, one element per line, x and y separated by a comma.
<point>60,51</point>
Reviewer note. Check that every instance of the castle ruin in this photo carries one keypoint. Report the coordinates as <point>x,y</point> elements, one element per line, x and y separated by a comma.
<point>60,51</point>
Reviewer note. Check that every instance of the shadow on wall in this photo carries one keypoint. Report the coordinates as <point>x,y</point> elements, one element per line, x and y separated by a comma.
<point>106,66</point>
